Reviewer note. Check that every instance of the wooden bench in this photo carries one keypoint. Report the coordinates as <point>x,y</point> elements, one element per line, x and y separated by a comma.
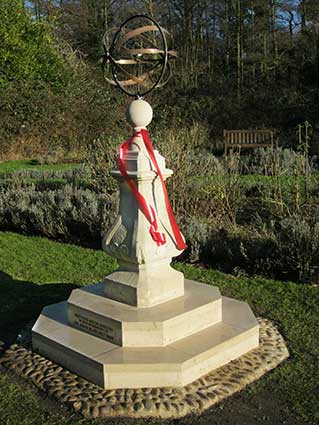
<point>248,139</point>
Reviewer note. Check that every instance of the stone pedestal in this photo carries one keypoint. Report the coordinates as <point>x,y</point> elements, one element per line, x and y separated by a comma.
<point>145,277</point>
<point>144,326</point>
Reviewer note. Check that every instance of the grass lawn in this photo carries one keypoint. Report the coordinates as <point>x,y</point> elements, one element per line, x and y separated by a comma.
<point>9,167</point>
<point>9,170</point>
<point>286,182</point>
<point>36,272</point>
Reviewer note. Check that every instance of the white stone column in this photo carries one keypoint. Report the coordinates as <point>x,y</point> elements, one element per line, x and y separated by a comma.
<point>145,277</point>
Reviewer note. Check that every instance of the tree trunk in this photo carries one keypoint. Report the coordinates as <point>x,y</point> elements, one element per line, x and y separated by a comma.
<point>105,14</point>
<point>207,33</point>
<point>37,10</point>
<point>273,29</point>
<point>303,13</point>
<point>239,49</point>
<point>253,35</point>
<point>290,22</point>
<point>228,38</point>
<point>213,42</point>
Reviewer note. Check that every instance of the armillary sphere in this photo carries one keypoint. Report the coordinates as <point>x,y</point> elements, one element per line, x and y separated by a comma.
<point>137,56</point>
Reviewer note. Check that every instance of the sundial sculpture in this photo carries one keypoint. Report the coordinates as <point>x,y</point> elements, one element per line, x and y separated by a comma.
<point>145,231</point>
<point>137,56</point>
<point>145,325</point>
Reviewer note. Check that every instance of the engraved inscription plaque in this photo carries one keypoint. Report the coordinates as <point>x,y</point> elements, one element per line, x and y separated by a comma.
<point>96,325</point>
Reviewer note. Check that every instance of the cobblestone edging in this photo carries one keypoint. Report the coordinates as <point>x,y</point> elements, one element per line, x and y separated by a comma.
<point>92,401</point>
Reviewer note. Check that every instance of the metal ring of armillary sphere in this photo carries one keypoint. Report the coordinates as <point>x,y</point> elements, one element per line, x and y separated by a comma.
<point>137,56</point>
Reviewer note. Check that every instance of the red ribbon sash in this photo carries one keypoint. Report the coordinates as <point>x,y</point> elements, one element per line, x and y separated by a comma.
<point>146,208</point>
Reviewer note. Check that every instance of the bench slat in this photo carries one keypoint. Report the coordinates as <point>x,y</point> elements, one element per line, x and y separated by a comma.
<point>248,138</point>
<point>249,145</point>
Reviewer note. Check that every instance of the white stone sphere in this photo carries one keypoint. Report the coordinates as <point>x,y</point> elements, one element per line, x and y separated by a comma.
<point>139,113</point>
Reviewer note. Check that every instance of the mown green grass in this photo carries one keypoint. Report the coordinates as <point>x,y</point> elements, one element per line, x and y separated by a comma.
<point>49,182</point>
<point>294,308</point>
<point>287,183</point>
<point>37,272</point>
<point>9,167</point>
<point>262,181</point>
<point>34,271</point>
<point>45,183</point>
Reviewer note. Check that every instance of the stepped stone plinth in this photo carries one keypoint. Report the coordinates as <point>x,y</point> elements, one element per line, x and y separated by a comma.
<point>168,345</point>
<point>144,325</point>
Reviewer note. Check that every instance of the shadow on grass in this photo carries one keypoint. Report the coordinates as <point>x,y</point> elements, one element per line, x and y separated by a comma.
<point>22,302</point>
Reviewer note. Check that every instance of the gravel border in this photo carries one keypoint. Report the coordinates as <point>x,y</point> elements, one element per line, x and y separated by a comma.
<point>93,401</point>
